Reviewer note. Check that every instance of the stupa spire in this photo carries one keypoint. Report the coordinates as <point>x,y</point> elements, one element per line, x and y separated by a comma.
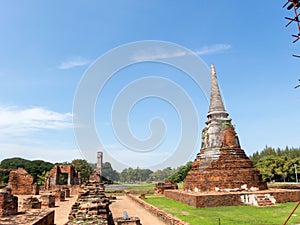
<point>216,103</point>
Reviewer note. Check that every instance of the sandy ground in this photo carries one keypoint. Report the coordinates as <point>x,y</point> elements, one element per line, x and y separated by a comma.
<point>62,209</point>
<point>124,203</point>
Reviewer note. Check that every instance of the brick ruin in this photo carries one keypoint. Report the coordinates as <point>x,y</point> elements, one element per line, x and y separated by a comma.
<point>21,183</point>
<point>166,185</point>
<point>48,200</point>
<point>8,203</point>
<point>31,203</point>
<point>221,164</point>
<point>62,175</point>
<point>91,207</point>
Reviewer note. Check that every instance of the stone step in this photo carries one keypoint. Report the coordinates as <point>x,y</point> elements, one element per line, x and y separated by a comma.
<point>265,202</point>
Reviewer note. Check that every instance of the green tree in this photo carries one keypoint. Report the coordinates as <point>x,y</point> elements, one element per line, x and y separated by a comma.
<point>109,172</point>
<point>130,175</point>
<point>82,166</point>
<point>34,168</point>
<point>41,178</point>
<point>277,164</point>
<point>181,172</point>
<point>271,167</point>
<point>4,175</point>
<point>145,174</point>
<point>289,168</point>
<point>161,175</point>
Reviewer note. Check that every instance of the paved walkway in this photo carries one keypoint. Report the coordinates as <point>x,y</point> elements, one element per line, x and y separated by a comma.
<point>124,203</point>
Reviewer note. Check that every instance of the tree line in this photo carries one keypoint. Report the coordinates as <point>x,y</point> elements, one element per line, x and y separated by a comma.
<point>277,164</point>
<point>274,165</point>
<point>38,169</point>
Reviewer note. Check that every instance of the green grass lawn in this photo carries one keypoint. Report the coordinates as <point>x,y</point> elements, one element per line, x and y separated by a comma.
<point>142,186</point>
<point>229,215</point>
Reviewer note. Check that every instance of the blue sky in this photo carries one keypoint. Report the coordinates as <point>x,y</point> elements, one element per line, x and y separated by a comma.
<point>45,49</point>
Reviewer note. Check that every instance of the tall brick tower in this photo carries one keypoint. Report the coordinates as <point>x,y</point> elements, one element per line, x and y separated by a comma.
<point>221,163</point>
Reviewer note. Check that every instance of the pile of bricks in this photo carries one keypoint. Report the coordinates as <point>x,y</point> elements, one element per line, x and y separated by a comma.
<point>128,221</point>
<point>162,186</point>
<point>92,207</point>
<point>8,202</point>
<point>31,203</point>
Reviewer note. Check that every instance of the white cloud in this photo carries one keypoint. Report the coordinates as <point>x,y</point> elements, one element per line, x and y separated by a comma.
<point>15,121</point>
<point>155,54</point>
<point>73,62</point>
<point>213,49</point>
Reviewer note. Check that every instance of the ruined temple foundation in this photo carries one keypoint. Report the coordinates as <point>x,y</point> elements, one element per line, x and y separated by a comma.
<point>221,164</point>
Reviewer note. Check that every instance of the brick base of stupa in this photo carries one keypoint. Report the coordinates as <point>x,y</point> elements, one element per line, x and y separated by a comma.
<point>231,170</point>
<point>215,199</point>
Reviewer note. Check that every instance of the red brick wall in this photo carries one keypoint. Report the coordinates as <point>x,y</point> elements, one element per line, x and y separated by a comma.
<point>21,182</point>
<point>284,195</point>
<point>203,201</point>
<point>198,200</point>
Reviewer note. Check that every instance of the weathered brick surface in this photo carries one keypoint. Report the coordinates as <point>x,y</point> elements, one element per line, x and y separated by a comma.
<point>47,219</point>
<point>284,195</point>
<point>52,176</point>
<point>167,218</point>
<point>31,203</point>
<point>130,221</point>
<point>8,203</point>
<point>91,207</point>
<point>30,217</point>
<point>21,183</point>
<point>162,186</point>
<point>48,200</point>
<point>203,200</point>
<point>231,170</point>
<point>59,195</point>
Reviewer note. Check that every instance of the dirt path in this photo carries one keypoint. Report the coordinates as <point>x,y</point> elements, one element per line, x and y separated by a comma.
<point>124,203</point>
<point>63,210</point>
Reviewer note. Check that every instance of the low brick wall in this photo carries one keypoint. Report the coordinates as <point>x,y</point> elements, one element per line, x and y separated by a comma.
<point>48,219</point>
<point>167,218</point>
<point>203,200</point>
<point>284,195</point>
